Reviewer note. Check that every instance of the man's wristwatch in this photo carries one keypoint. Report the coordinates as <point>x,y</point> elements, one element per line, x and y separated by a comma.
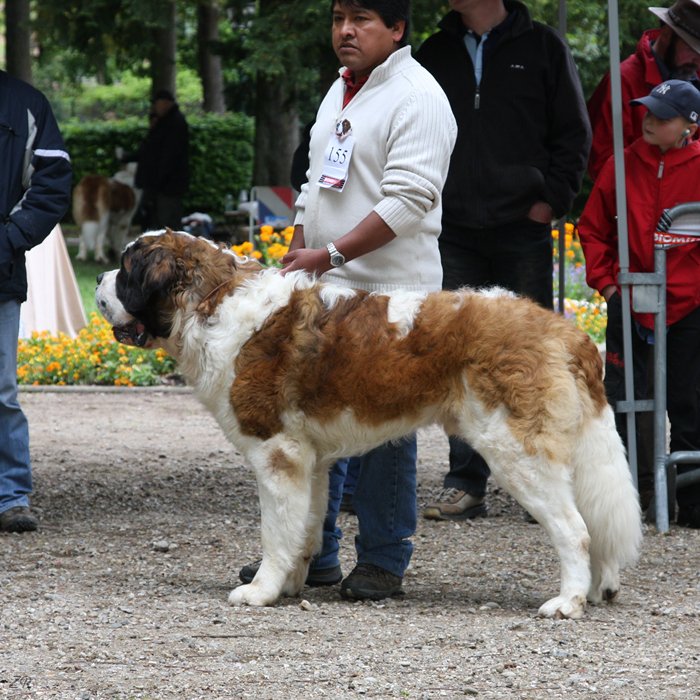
<point>337,258</point>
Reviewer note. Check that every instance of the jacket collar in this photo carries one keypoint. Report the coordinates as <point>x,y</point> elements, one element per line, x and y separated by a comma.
<point>673,157</point>
<point>395,61</point>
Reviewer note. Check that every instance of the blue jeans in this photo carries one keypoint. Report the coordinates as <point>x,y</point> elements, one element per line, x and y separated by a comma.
<point>15,467</point>
<point>385,504</point>
<point>516,256</point>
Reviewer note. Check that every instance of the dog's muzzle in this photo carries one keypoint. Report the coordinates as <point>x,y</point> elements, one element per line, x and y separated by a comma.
<point>131,334</point>
<point>125,327</point>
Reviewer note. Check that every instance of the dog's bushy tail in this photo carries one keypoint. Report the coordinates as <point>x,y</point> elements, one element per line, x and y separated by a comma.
<point>608,501</point>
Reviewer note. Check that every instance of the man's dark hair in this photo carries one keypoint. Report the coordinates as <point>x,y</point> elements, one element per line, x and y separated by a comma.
<point>391,12</point>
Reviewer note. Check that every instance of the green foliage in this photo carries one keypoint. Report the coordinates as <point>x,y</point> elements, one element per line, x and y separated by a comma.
<point>221,153</point>
<point>107,36</point>
<point>221,160</point>
<point>129,97</point>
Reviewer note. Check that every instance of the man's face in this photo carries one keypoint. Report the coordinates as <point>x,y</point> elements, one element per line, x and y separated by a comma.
<point>361,40</point>
<point>161,107</point>
<point>462,6</point>
<point>686,61</point>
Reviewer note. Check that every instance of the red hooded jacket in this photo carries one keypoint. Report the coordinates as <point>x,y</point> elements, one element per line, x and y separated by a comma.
<point>654,182</point>
<point>639,73</point>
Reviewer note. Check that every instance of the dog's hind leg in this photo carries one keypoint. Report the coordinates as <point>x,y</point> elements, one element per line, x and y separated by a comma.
<point>608,501</point>
<point>546,491</point>
<point>284,472</point>
<point>88,236</point>
<point>101,238</point>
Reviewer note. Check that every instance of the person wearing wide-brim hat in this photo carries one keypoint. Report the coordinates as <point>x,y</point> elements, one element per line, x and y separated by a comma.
<point>669,52</point>
<point>683,18</point>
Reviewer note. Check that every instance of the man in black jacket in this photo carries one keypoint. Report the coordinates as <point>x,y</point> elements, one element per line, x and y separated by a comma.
<point>35,185</point>
<point>163,165</point>
<point>521,152</point>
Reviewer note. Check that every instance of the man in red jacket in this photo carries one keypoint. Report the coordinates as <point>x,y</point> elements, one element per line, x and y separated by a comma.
<point>662,169</point>
<point>673,51</point>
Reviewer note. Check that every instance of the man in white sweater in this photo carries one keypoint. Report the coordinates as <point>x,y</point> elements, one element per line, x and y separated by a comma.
<point>369,218</point>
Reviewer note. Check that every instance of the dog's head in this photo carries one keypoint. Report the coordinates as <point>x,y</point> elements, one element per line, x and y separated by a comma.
<point>163,274</point>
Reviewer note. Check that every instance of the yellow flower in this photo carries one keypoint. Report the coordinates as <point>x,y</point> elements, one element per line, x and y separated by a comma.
<point>245,248</point>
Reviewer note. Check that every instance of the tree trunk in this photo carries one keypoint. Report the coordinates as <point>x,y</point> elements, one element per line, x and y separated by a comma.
<point>276,131</point>
<point>18,39</point>
<point>276,119</point>
<point>163,65</point>
<point>209,62</point>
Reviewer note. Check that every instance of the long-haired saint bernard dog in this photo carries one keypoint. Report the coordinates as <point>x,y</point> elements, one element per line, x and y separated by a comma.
<point>299,374</point>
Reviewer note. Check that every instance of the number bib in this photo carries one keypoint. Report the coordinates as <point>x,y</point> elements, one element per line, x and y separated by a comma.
<point>337,157</point>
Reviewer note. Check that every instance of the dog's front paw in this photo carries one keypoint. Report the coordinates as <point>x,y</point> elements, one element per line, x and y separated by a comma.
<point>251,594</point>
<point>563,608</point>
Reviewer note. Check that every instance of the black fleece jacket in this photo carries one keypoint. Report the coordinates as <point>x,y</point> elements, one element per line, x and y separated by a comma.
<point>524,135</point>
<point>163,158</point>
<point>35,179</point>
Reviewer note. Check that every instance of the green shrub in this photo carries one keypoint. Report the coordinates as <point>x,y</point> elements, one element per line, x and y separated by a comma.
<point>221,154</point>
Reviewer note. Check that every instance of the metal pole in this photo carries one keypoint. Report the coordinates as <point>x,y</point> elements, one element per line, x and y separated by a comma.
<point>660,485</point>
<point>621,204</point>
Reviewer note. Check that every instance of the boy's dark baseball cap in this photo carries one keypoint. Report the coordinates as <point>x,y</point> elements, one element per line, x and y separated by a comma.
<point>673,98</point>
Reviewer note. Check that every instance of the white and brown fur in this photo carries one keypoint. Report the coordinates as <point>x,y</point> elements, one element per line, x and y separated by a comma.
<point>299,373</point>
<point>102,208</point>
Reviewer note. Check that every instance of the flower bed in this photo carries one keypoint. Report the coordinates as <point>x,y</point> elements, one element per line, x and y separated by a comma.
<point>583,305</point>
<point>95,357</point>
<point>270,245</point>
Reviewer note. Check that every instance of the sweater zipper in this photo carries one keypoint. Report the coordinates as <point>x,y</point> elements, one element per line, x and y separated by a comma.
<point>660,173</point>
<point>477,97</point>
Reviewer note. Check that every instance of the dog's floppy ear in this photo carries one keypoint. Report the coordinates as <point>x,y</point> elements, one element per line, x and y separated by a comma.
<point>145,284</point>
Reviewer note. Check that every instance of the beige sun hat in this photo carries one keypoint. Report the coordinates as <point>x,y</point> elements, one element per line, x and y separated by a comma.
<point>684,18</point>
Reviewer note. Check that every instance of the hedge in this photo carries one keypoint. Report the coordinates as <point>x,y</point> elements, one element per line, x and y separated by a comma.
<point>221,154</point>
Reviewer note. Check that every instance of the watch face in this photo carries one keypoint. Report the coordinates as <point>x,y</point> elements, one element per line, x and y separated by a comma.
<point>337,260</point>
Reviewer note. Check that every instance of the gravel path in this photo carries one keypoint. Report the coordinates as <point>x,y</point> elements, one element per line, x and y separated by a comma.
<point>148,513</point>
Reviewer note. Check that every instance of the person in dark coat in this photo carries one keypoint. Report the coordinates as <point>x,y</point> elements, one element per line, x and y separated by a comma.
<point>35,189</point>
<point>521,152</point>
<point>163,165</point>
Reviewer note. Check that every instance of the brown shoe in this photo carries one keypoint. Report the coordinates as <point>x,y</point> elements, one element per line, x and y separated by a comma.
<point>19,519</point>
<point>454,504</point>
<point>370,582</point>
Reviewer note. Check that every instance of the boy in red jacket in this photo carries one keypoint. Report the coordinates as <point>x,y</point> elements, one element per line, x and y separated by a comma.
<point>662,169</point>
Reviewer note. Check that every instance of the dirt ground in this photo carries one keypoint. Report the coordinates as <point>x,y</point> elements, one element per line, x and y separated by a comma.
<point>148,513</point>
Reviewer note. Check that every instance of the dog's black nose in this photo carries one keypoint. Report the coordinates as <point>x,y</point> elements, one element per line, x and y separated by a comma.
<point>99,277</point>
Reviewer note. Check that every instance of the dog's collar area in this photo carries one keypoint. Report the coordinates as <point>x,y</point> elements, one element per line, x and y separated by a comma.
<point>214,291</point>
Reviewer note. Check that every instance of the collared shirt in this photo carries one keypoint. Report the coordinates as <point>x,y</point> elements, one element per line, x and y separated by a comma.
<point>475,47</point>
<point>352,87</point>
<point>476,44</point>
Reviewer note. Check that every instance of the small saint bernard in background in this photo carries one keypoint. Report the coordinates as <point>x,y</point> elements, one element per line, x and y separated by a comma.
<point>102,208</point>
<point>299,373</point>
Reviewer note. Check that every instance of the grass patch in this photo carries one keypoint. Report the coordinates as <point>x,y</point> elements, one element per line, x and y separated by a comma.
<point>85,274</point>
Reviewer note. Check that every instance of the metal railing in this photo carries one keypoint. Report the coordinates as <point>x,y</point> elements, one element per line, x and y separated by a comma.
<point>649,296</point>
